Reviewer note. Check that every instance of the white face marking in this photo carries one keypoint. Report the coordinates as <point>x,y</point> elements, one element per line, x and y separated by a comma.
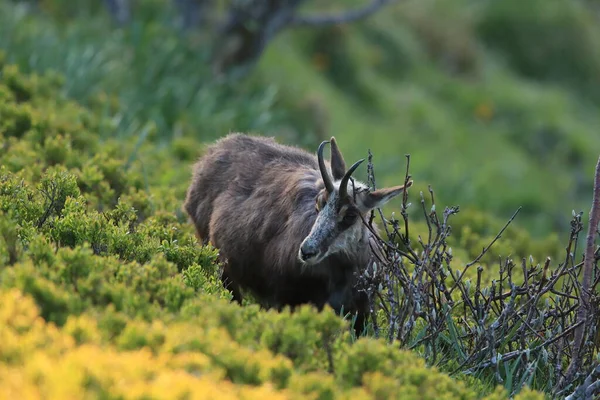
<point>326,236</point>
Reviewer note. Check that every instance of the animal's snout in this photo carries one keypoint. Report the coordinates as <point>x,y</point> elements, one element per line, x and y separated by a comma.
<point>307,252</point>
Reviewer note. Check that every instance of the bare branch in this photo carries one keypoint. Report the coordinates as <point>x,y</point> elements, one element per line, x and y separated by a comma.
<point>589,388</point>
<point>526,316</point>
<point>586,283</point>
<point>345,17</point>
<point>498,236</point>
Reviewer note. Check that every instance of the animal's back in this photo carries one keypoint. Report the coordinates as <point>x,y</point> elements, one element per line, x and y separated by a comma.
<point>237,164</point>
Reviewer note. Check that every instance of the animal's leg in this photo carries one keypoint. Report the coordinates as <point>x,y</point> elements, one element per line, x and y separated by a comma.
<point>360,323</point>
<point>362,312</point>
<point>203,242</point>
<point>230,285</point>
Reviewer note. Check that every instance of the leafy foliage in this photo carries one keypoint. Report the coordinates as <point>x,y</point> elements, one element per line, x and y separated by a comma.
<point>105,292</point>
<point>93,243</point>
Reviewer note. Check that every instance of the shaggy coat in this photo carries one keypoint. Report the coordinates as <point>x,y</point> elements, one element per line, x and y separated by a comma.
<point>286,231</point>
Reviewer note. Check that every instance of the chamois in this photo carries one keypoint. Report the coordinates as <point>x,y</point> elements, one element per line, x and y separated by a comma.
<point>287,225</point>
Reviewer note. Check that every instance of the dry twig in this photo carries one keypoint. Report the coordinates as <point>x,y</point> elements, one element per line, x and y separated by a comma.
<point>521,323</point>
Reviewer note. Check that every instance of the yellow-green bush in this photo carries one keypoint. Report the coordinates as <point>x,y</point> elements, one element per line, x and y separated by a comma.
<point>105,292</point>
<point>189,360</point>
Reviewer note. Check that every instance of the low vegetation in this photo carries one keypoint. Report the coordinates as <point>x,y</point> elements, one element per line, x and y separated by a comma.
<point>105,292</point>
<point>520,324</point>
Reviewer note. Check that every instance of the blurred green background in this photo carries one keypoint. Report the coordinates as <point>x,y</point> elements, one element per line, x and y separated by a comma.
<point>496,101</point>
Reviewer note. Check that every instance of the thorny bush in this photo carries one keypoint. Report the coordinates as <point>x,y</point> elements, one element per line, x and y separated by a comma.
<point>516,328</point>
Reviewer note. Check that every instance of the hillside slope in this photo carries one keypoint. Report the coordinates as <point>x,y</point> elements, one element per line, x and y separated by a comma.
<point>105,293</point>
<point>497,103</point>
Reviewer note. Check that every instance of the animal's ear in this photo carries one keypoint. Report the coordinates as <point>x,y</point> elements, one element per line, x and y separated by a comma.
<point>370,200</point>
<point>338,166</point>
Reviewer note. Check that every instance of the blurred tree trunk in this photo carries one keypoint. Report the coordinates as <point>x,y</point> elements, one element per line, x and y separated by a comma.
<point>120,10</point>
<point>249,26</point>
<point>194,13</point>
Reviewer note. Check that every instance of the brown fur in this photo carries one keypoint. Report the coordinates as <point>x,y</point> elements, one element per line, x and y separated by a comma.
<point>254,200</point>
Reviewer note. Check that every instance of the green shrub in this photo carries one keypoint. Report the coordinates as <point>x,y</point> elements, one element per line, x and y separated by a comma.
<point>105,291</point>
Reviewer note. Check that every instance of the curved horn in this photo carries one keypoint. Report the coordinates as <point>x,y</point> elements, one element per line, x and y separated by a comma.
<point>344,182</point>
<point>324,174</point>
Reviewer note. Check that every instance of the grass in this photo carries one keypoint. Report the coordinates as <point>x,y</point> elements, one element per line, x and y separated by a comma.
<point>408,80</point>
<point>429,78</point>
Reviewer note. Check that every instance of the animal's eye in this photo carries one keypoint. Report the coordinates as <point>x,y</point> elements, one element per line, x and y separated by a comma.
<point>349,217</point>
